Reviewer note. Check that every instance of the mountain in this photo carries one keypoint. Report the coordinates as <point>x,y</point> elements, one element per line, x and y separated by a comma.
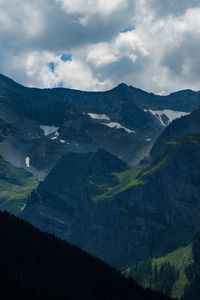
<point>41,125</point>
<point>38,126</point>
<point>176,131</point>
<point>120,213</point>
<point>65,204</point>
<point>36,265</point>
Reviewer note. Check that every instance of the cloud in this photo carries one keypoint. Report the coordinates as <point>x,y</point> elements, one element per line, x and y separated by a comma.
<point>87,8</point>
<point>44,69</point>
<point>96,44</point>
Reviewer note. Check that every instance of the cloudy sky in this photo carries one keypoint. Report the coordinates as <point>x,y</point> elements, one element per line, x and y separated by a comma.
<point>96,44</point>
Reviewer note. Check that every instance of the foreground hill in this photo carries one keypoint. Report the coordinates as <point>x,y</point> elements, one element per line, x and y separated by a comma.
<point>36,265</point>
<point>119,213</point>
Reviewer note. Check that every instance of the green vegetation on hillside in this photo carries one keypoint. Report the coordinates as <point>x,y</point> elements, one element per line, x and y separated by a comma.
<point>15,186</point>
<point>192,289</point>
<point>125,180</point>
<point>134,176</point>
<point>166,274</point>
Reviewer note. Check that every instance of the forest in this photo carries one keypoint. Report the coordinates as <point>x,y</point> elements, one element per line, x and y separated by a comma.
<point>37,265</point>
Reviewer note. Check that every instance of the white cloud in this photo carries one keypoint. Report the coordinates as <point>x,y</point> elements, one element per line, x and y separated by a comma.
<point>126,44</point>
<point>71,74</point>
<point>92,7</point>
<point>102,54</point>
<point>75,74</point>
<point>161,53</point>
<point>25,20</point>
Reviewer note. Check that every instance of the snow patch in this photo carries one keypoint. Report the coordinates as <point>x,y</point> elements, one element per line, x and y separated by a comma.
<point>99,116</point>
<point>55,136</point>
<point>118,126</point>
<point>23,207</point>
<point>27,161</point>
<point>111,124</point>
<point>170,114</point>
<point>148,140</point>
<point>62,141</point>
<point>48,129</point>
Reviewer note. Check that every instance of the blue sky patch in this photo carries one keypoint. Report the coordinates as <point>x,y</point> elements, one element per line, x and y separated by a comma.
<point>51,66</point>
<point>66,57</point>
<point>60,84</point>
<point>129,28</point>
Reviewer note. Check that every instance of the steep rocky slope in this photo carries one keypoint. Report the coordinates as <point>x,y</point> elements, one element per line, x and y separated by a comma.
<point>176,131</point>
<point>63,204</point>
<point>119,213</point>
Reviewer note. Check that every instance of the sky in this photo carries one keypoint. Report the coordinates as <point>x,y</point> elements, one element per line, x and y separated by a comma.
<point>97,44</point>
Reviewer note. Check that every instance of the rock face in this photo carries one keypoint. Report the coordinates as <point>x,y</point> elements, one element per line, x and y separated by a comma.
<point>63,204</point>
<point>171,196</point>
<point>108,209</point>
<point>42,125</point>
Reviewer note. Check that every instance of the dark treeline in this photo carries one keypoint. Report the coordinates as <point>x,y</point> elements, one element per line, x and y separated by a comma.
<point>37,265</point>
<point>160,278</point>
<point>192,290</point>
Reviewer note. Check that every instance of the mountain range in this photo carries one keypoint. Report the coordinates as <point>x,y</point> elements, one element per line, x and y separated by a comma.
<point>38,126</point>
<point>115,173</point>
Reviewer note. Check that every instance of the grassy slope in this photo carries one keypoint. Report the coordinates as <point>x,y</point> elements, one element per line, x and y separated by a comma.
<point>126,180</point>
<point>179,258</point>
<point>135,176</point>
<point>15,186</point>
